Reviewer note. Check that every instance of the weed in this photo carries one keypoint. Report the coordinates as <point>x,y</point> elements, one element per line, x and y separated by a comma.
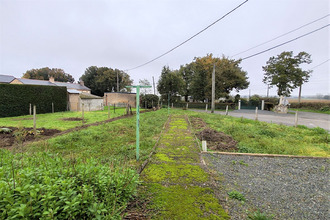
<point>233,162</point>
<point>236,195</point>
<point>259,216</point>
<point>243,163</point>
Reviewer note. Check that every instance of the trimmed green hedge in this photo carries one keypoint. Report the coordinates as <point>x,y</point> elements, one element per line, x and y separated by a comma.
<point>15,99</point>
<point>199,105</point>
<point>320,106</point>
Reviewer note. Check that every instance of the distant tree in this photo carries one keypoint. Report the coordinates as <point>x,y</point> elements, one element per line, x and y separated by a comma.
<point>144,82</point>
<point>149,100</point>
<point>284,72</point>
<point>187,73</point>
<point>104,79</point>
<point>170,82</point>
<point>45,73</point>
<point>228,76</point>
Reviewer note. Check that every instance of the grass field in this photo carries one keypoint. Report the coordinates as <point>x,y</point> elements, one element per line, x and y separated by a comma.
<point>55,120</point>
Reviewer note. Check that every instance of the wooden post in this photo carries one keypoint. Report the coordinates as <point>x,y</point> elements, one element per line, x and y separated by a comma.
<point>109,111</point>
<point>296,119</point>
<point>172,104</point>
<point>226,109</point>
<point>52,107</point>
<point>204,146</point>
<point>114,108</point>
<point>187,105</point>
<point>213,90</point>
<point>34,120</point>
<point>256,114</point>
<point>30,110</point>
<point>82,112</point>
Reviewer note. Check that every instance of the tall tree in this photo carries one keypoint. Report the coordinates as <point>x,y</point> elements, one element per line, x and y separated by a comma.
<point>284,72</point>
<point>104,79</point>
<point>228,76</point>
<point>170,82</point>
<point>187,72</point>
<point>45,73</point>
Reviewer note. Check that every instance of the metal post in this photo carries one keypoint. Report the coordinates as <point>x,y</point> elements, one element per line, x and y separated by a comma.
<point>213,90</point>
<point>262,105</point>
<point>239,104</point>
<point>296,119</point>
<point>256,114</point>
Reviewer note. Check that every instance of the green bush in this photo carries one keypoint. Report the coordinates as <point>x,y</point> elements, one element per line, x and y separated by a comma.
<point>45,186</point>
<point>322,106</point>
<point>149,100</point>
<point>15,99</point>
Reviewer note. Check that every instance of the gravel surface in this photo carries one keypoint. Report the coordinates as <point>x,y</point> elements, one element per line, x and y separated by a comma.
<point>287,188</point>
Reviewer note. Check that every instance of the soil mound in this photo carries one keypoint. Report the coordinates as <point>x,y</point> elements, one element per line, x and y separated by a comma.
<point>218,140</point>
<point>15,135</point>
<point>72,119</point>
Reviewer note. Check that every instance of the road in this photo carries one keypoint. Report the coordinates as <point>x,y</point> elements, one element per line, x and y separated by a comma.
<point>308,119</point>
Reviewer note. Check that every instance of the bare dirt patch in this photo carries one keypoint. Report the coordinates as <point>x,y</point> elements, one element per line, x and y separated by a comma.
<point>218,141</point>
<point>8,139</point>
<point>22,119</point>
<point>71,119</point>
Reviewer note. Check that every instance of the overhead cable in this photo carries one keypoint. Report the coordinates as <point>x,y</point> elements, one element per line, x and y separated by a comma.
<point>189,37</point>
<point>301,36</point>
<point>320,64</point>
<point>281,35</point>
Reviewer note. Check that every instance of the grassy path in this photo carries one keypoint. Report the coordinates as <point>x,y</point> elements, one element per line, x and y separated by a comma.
<point>175,179</point>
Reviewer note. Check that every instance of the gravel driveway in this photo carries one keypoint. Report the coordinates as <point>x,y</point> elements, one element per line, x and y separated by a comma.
<point>288,188</point>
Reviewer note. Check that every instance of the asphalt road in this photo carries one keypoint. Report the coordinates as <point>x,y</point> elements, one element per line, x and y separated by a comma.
<point>308,119</point>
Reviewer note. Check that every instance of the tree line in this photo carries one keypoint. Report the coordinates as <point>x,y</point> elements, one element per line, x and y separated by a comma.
<point>193,79</point>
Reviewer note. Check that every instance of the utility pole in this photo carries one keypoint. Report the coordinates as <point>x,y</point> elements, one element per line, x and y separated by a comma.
<point>213,90</point>
<point>267,90</point>
<point>153,81</point>
<point>299,98</point>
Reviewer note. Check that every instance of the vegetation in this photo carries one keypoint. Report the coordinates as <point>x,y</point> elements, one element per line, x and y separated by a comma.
<point>284,72</point>
<point>261,137</point>
<point>16,99</point>
<point>59,120</point>
<point>45,73</point>
<point>149,100</point>
<point>46,186</point>
<point>170,82</point>
<point>104,79</point>
<point>236,195</point>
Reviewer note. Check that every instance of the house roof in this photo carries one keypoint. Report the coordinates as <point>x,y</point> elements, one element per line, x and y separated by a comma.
<point>89,96</point>
<point>73,91</point>
<point>35,82</point>
<point>72,85</point>
<point>6,78</point>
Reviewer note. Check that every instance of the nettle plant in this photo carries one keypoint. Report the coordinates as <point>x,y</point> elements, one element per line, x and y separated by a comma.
<point>46,186</point>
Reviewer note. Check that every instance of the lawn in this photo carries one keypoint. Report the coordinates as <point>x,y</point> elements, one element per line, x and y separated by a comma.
<point>57,120</point>
<point>261,137</point>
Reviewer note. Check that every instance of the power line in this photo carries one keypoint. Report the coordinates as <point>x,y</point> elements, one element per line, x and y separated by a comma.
<point>281,35</point>
<point>189,37</point>
<point>285,42</point>
<point>320,64</point>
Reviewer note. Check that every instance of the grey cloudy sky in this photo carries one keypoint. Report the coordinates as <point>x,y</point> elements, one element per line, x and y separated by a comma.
<point>74,35</point>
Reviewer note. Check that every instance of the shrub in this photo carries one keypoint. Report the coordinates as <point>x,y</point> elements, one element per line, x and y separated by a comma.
<point>149,100</point>
<point>236,195</point>
<point>45,186</point>
<point>15,99</point>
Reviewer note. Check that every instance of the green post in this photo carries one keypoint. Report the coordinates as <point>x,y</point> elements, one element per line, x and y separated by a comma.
<point>138,117</point>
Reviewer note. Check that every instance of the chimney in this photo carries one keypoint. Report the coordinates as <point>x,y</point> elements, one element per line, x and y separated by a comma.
<point>81,83</point>
<point>51,79</point>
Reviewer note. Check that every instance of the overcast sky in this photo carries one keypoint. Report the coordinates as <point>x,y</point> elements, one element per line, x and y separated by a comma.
<point>74,35</point>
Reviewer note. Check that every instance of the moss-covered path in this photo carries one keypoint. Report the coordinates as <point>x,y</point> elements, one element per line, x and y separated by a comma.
<point>175,179</point>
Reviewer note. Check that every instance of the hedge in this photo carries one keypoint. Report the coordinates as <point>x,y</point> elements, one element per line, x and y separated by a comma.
<point>15,99</point>
<point>321,106</point>
<point>203,105</point>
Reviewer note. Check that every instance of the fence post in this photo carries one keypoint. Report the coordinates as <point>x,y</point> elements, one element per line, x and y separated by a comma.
<point>239,104</point>
<point>256,114</point>
<point>34,120</point>
<point>262,105</point>
<point>52,107</point>
<point>296,119</point>
<point>204,146</point>
<point>108,110</point>
<point>206,107</point>
<point>30,110</point>
<point>226,109</point>
<point>114,108</point>
<point>82,112</point>
<point>187,105</point>
<point>172,104</point>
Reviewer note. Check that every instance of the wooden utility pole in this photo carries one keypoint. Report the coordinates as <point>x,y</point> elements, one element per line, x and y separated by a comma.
<point>213,90</point>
